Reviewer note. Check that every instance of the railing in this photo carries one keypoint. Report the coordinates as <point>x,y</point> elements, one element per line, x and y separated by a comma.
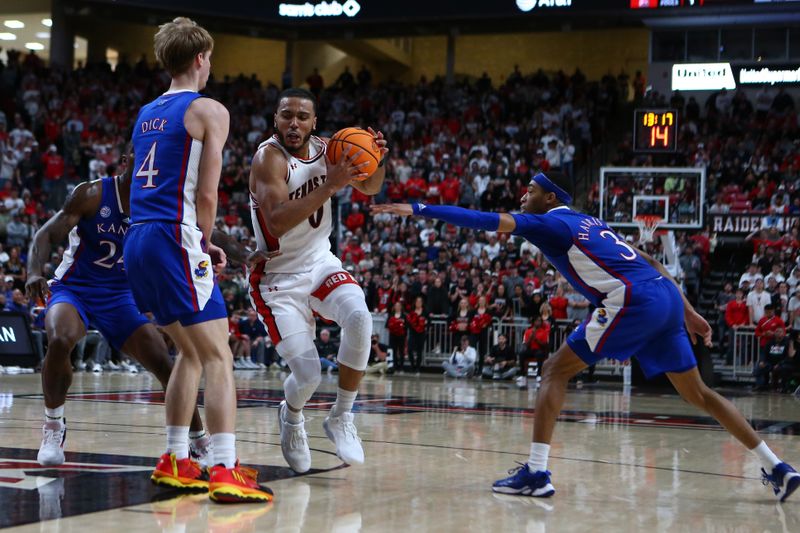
<point>745,352</point>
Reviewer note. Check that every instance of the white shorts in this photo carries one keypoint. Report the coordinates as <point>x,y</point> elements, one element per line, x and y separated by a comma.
<point>286,302</point>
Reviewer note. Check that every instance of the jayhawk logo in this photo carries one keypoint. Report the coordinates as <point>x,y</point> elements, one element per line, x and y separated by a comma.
<point>202,269</point>
<point>602,317</point>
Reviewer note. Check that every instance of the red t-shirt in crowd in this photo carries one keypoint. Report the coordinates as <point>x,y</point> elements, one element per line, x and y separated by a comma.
<point>559,305</point>
<point>736,313</point>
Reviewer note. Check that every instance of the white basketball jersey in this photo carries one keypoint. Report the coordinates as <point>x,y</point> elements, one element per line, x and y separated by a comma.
<point>308,242</point>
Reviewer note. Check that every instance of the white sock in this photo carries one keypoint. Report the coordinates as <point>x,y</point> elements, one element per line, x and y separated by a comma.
<point>224,449</point>
<point>768,459</point>
<point>178,441</point>
<point>292,416</point>
<point>344,401</point>
<point>54,415</point>
<point>537,461</point>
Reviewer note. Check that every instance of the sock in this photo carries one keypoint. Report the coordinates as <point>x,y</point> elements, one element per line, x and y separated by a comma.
<point>537,461</point>
<point>54,415</point>
<point>178,441</point>
<point>768,459</point>
<point>224,449</point>
<point>344,401</point>
<point>197,434</point>
<point>292,416</point>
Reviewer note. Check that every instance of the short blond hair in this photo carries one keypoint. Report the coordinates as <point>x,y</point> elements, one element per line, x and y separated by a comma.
<point>177,43</point>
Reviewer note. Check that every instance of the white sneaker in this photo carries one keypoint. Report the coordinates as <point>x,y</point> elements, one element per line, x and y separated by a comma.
<point>111,365</point>
<point>294,441</point>
<point>343,433</point>
<point>128,367</point>
<point>97,369</point>
<point>201,450</point>
<point>238,364</point>
<point>51,452</point>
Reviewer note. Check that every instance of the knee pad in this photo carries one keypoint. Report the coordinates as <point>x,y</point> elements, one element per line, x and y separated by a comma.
<point>301,355</point>
<point>356,333</point>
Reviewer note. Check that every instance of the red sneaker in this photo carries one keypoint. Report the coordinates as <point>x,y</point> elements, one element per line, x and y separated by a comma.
<point>236,485</point>
<point>184,474</point>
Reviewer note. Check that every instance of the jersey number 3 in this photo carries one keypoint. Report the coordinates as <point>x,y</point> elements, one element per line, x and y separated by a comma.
<point>631,255</point>
<point>147,170</point>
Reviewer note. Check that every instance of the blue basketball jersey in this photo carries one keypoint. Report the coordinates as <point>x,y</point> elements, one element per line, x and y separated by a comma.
<point>165,171</point>
<point>94,254</point>
<point>589,254</point>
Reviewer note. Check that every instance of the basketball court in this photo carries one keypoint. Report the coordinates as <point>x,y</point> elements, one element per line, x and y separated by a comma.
<point>623,459</point>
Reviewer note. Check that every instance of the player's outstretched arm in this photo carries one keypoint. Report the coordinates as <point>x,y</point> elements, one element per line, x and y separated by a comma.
<point>373,184</point>
<point>83,201</point>
<point>239,253</point>
<point>695,323</point>
<point>458,216</point>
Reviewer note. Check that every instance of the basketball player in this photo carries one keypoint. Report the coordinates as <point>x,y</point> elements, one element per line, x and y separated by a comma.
<point>640,311</point>
<point>90,287</point>
<point>169,258</point>
<point>291,184</point>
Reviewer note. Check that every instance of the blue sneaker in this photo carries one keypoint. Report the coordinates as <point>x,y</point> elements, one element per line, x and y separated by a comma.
<point>784,480</point>
<point>523,482</point>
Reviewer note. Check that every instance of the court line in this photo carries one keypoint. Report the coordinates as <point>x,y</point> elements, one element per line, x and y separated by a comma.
<point>422,445</point>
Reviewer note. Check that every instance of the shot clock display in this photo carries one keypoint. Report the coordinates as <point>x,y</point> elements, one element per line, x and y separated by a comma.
<point>655,130</point>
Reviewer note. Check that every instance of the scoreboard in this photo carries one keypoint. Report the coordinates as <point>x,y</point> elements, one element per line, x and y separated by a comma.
<point>655,130</point>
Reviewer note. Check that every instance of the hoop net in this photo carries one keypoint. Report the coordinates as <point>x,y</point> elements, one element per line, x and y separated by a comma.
<point>648,224</point>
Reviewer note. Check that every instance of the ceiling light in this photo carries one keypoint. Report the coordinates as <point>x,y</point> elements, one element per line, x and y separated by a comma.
<point>34,46</point>
<point>5,36</point>
<point>14,24</point>
<point>47,22</point>
<point>42,34</point>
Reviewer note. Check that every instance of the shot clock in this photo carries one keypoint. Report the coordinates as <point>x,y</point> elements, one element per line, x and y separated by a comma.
<point>655,130</point>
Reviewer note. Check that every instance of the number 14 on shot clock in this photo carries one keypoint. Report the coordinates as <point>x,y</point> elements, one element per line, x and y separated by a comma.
<point>655,130</point>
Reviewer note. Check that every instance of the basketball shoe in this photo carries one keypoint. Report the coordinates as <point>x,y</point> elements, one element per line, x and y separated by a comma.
<point>236,485</point>
<point>523,482</point>
<point>200,450</point>
<point>51,451</point>
<point>183,474</point>
<point>341,430</point>
<point>294,441</point>
<point>784,480</point>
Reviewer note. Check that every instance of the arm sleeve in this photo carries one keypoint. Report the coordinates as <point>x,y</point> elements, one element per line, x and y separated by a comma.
<point>458,216</point>
<point>548,233</point>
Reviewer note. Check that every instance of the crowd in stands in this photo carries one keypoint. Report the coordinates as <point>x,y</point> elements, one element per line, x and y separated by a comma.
<point>474,143</point>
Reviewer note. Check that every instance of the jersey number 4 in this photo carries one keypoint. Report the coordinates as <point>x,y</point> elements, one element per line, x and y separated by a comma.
<point>147,170</point>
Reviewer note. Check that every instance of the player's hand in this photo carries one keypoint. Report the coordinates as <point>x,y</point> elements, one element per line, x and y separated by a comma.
<point>36,288</point>
<point>260,256</point>
<point>218,257</point>
<point>697,325</point>
<point>341,173</point>
<point>380,141</point>
<point>402,210</point>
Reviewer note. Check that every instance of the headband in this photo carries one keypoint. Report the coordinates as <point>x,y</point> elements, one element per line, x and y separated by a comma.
<point>544,182</point>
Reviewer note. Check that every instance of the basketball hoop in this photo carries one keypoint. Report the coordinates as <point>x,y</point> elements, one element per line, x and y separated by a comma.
<point>648,224</point>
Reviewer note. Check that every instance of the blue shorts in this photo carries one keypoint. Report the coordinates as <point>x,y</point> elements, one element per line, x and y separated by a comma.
<point>650,326</point>
<point>111,311</point>
<point>170,273</point>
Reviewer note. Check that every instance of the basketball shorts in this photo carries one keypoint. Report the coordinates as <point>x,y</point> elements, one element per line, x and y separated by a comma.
<point>650,326</point>
<point>112,312</point>
<point>170,273</point>
<point>286,303</point>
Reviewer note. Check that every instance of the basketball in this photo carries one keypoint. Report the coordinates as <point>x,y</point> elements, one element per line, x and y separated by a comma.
<point>357,139</point>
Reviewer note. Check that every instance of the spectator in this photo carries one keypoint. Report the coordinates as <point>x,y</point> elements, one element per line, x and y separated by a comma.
<point>18,302</point>
<point>692,270</point>
<point>766,327</point>
<point>536,341</point>
<point>558,304</point>
<point>327,350</point>
<point>751,275</point>
<point>757,301</point>
<point>256,334</point>
<point>416,333</point>
<point>501,362</point>
<point>355,220</point>
<point>378,357</point>
<point>794,312</point>
<point>396,324</point>
<point>776,363</point>
<point>577,305</point>
<point>461,364</point>
<point>480,328</point>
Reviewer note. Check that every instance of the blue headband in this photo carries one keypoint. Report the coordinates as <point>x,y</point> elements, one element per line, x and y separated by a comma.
<point>544,182</point>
